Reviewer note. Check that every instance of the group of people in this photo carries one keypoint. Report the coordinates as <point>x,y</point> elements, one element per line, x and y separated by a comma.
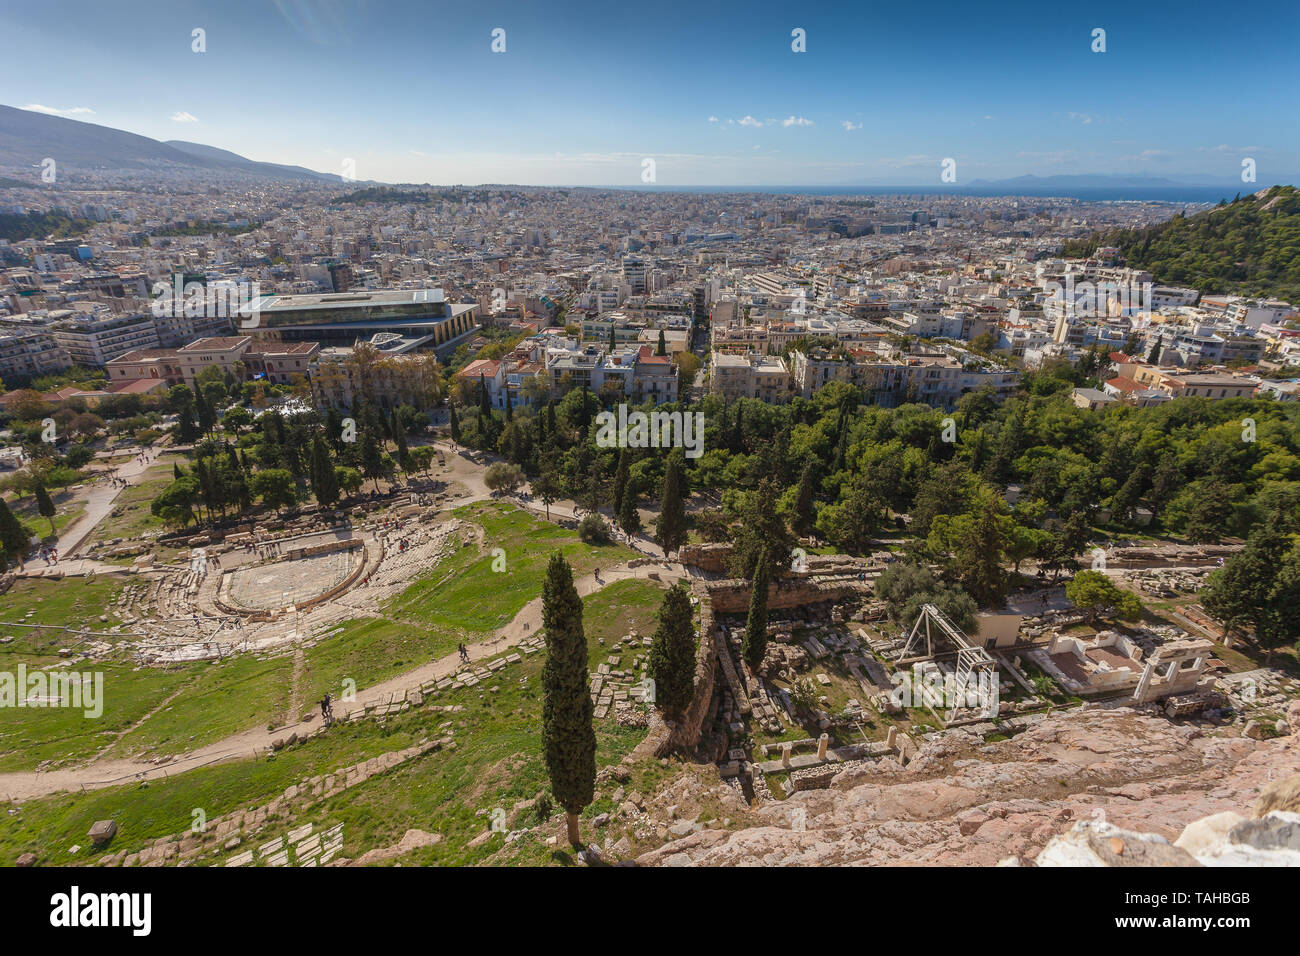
<point>51,555</point>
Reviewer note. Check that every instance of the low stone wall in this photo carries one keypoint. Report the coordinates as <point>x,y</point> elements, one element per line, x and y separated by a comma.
<point>712,558</point>
<point>732,596</point>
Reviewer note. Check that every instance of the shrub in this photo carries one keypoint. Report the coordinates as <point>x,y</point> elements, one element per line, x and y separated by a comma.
<point>593,529</point>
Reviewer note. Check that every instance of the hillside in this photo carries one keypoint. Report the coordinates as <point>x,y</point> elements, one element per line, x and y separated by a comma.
<point>227,158</point>
<point>1250,246</point>
<point>27,137</point>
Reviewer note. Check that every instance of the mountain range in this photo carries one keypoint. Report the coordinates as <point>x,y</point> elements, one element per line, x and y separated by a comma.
<point>27,137</point>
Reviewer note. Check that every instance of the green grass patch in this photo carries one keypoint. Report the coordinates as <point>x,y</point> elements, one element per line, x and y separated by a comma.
<point>221,698</point>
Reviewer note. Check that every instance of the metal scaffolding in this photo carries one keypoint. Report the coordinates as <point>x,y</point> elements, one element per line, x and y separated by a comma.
<point>974,665</point>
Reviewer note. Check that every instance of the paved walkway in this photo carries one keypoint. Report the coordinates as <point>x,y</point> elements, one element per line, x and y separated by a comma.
<point>99,502</point>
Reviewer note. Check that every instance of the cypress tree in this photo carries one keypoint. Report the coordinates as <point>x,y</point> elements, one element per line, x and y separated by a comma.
<point>455,426</point>
<point>803,499</point>
<point>372,458</point>
<point>45,505</point>
<point>670,530</point>
<point>756,624</point>
<point>663,346</point>
<point>403,452</point>
<point>484,401</point>
<point>510,406</point>
<point>568,737</point>
<point>324,481</point>
<point>620,481</point>
<point>672,653</point>
<point>13,536</point>
<point>629,519</point>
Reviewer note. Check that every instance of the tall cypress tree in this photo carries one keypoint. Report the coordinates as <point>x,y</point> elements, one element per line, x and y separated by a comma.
<point>455,425</point>
<point>803,499</point>
<point>672,653</point>
<point>662,348</point>
<point>324,481</point>
<point>203,408</point>
<point>629,519</point>
<point>403,451</point>
<point>45,504</point>
<point>620,481</point>
<point>756,624</point>
<point>13,536</point>
<point>568,737</point>
<point>372,458</point>
<point>670,530</point>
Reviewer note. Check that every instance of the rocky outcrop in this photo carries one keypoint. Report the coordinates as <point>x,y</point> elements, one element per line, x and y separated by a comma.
<point>962,801</point>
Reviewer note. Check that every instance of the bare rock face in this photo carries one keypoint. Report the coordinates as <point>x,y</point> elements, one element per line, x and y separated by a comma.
<point>1100,844</point>
<point>1279,795</point>
<point>962,801</point>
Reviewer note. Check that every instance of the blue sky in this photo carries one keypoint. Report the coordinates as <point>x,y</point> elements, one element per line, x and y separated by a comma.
<point>713,92</point>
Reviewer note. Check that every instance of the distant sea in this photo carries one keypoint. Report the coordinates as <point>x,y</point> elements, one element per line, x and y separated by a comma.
<point>1163,193</point>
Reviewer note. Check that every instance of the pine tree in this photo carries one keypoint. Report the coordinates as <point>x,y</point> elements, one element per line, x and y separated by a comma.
<point>670,530</point>
<point>324,481</point>
<point>672,653</point>
<point>568,737</point>
<point>755,643</point>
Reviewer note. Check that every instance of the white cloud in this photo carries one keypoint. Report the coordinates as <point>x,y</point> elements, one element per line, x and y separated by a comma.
<point>796,121</point>
<point>750,121</point>
<point>183,117</point>
<point>1083,118</point>
<point>850,126</point>
<point>713,119</point>
<point>53,111</point>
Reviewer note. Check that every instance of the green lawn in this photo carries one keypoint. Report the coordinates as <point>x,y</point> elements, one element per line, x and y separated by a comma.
<point>30,735</point>
<point>465,592</point>
<point>461,599</point>
<point>73,603</point>
<point>67,509</point>
<point>496,763</point>
<point>219,699</point>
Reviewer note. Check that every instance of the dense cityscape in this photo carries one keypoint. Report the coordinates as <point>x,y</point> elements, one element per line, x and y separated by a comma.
<point>355,522</point>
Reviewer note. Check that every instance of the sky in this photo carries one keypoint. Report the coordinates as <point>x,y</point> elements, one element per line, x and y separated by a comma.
<point>713,93</point>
